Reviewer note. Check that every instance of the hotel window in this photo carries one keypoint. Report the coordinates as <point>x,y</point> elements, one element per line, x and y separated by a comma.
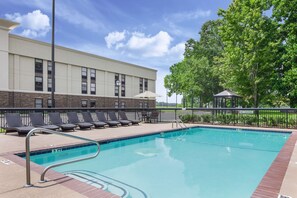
<point>84,80</point>
<point>93,74</point>
<point>116,104</point>
<point>123,85</point>
<point>49,76</point>
<point>49,103</point>
<point>84,103</point>
<point>84,88</point>
<point>93,103</point>
<point>38,66</point>
<point>38,83</point>
<point>38,102</point>
<point>49,84</point>
<point>84,72</point>
<point>93,81</point>
<point>145,84</point>
<point>140,85</point>
<point>38,75</point>
<point>123,104</point>
<point>93,88</point>
<point>116,87</point>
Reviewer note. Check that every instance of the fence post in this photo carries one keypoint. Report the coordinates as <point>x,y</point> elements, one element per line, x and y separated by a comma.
<point>287,118</point>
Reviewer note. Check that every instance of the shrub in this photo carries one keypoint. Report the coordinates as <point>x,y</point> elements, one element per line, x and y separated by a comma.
<point>206,118</point>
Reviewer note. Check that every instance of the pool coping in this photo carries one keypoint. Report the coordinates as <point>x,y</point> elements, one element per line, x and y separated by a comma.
<point>269,186</point>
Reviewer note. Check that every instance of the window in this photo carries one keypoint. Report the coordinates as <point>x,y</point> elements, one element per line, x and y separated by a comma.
<point>123,104</point>
<point>84,72</point>
<point>49,103</point>
<point>84,103</point>
<point>116,87</point>
<point>49,84</point>
<point>38,66</point>
<point>38,102</point>
<point>140,105</point>
<point>140,85</point>
<point>84,80</point>
<point>123,85</point>
<point>38,75</point>
<point>93,74</point>
<point>84,88</point>
<point>93,81</point>
<point>116,104</point>
<point>145,84</point>
<point>93,103</point>
<point>49,76</point>
<point>93,88</point>
<point>38,83</point>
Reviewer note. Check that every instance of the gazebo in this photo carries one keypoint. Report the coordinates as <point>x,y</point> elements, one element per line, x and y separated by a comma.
<point>220,99</point>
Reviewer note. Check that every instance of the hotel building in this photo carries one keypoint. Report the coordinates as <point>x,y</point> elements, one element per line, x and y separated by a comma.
<point>81,79</point>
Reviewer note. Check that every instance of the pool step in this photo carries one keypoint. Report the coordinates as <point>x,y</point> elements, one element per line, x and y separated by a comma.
<point>108,184</point>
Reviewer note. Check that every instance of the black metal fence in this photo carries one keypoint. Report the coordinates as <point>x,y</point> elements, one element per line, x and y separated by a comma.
<point>258,117</point>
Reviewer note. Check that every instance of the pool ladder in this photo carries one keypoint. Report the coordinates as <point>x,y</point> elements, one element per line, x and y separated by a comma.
<point>178,123</point>
<point>40,130</point>
<point>106,183</point>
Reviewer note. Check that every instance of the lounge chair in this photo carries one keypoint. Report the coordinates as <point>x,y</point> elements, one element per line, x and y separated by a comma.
<point>123,116</point>
<point>88,118</point>
<point>37,121</point>
<point>55,119</point>
<point>113,117</point>
<point>15,124</point>
<point>73,119</point>
<point>101,117</point>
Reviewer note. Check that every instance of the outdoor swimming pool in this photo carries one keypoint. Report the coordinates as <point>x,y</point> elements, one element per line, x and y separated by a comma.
<point>198,162</point>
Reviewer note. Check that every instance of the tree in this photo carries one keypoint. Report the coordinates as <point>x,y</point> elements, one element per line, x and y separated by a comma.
<point>250,50</point>
<point>194,76</point>
<point>284,12</point>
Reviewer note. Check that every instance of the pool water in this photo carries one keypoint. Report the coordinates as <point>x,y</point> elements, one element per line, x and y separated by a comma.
<point>198,162</point>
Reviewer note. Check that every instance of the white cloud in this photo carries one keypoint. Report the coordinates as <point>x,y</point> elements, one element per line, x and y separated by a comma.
<point>115,37</point>
<point>178,50</point>
<point>150,46</point>
<point>34,24</point>
<point>140,44</point>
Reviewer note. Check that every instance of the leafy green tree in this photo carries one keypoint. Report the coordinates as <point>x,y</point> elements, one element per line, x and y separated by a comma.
<point>194,76</point>
<point>284,12</point>
<point>248,63</point>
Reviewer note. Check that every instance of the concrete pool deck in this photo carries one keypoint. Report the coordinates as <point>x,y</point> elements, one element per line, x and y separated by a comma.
<point>12,169</point>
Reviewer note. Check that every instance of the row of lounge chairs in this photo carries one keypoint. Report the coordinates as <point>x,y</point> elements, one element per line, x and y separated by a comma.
<point>14,121</point>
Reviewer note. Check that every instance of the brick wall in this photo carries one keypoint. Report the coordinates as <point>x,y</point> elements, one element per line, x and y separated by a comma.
<point>27,100</point>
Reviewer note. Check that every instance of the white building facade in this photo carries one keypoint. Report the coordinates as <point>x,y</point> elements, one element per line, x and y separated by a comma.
<point>81,79</point>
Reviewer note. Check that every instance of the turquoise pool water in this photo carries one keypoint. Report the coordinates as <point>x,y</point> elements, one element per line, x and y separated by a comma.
<point>199,162</point>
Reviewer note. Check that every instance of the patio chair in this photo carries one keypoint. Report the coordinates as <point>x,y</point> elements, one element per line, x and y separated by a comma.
<point>73,119</point>
<point>113,117</point>
<point>37,121</point>
<point>101,117</point>
<point>154,116</point>
<point>15,124</point>
<point>123,116</point>
<point>55,119</point>
<point>88,118</point>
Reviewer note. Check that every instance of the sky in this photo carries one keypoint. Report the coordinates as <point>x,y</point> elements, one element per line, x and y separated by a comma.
<point>149,33</point>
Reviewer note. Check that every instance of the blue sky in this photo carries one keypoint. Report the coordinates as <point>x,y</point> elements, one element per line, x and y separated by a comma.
<point>150,33</point>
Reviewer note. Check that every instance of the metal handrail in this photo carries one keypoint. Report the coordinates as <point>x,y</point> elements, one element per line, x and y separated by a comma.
<point>180,123</point>
<point>39,130</point>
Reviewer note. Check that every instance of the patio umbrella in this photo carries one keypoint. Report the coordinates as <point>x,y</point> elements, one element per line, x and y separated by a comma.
<point>148,95</point>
